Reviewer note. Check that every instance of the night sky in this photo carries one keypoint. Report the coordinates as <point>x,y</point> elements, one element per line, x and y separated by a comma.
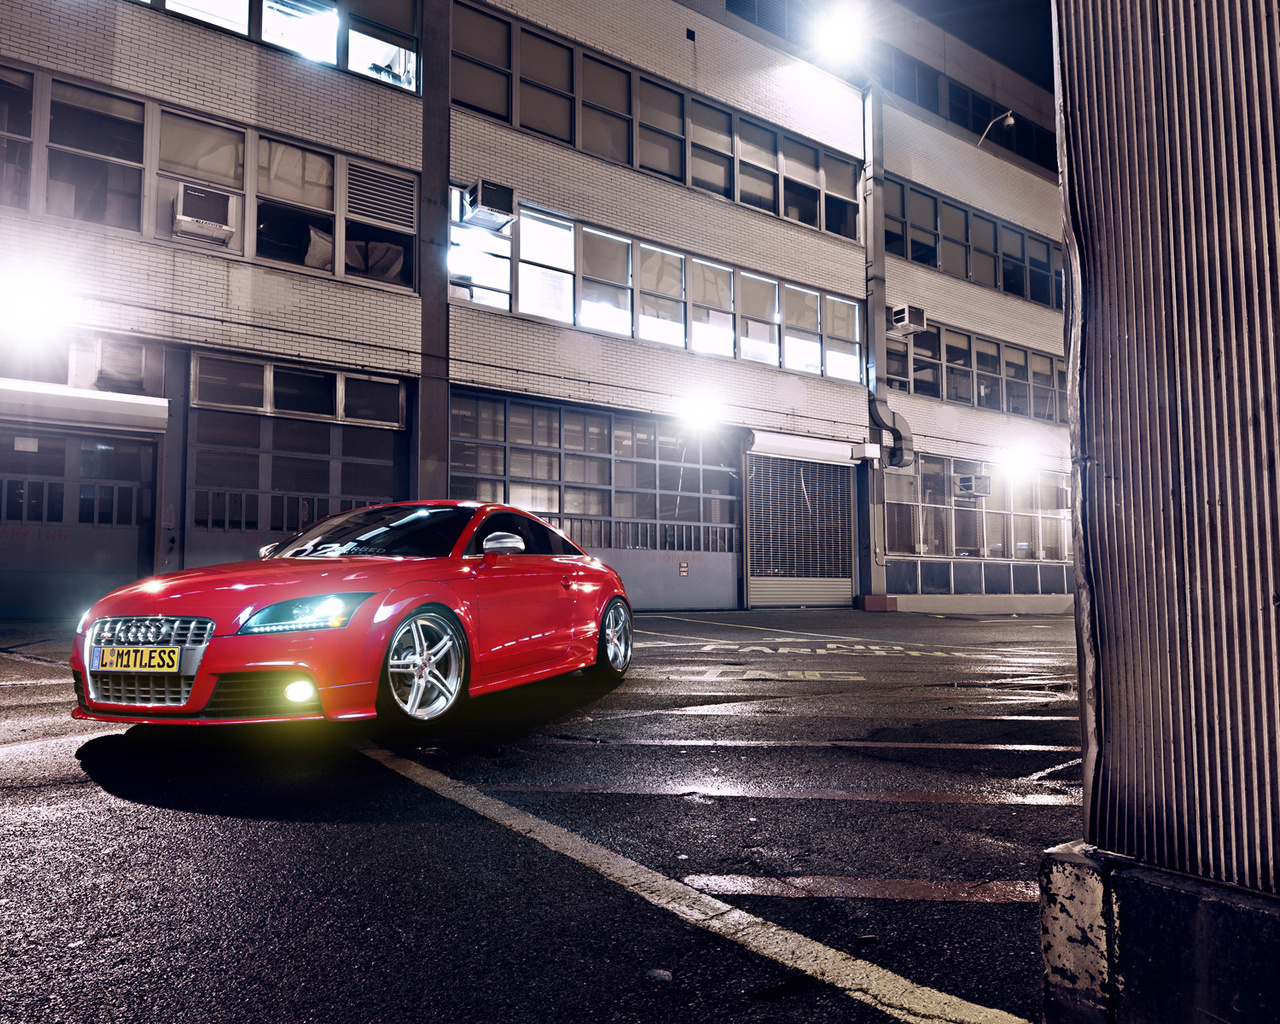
<point>1017,33</point>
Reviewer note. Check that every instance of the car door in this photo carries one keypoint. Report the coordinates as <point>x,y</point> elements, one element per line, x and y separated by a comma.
<point>525,603</point>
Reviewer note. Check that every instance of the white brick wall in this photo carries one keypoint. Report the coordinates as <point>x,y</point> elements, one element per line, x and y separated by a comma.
<point>159,56</point>
<point>169,293</point>
<point>508,353</point>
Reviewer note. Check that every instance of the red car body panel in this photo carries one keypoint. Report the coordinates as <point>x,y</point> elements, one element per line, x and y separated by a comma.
<point>525,617</point>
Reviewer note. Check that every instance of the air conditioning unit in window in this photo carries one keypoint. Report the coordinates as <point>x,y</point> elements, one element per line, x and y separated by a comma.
<point>973,486</point>
<point>202,213</point>
<point>909,320</point>
<point>488,205</point>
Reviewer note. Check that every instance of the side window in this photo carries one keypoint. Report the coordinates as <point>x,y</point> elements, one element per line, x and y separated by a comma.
<point>538,540</point>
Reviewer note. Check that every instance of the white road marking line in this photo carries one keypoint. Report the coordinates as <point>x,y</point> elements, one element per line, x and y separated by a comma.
<point>835,887</point>
<point>36,682</point>
<point>727,791</point>
<point>847,639</point>
<point>1049,771</point>
<point>888,992</point>
<point>1018,748</point>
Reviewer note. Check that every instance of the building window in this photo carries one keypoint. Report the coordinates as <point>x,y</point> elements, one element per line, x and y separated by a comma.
<point>936,232</point>
<point>374,38</point>
<point>602,281</point>
<point>907,77</point>
<point>629,118</point>
<point>607,480</point>
<point>975,112</point>
<point>95,157</point>
<point>959,367</point>
<point>15,137</point>
<point>954,508</point>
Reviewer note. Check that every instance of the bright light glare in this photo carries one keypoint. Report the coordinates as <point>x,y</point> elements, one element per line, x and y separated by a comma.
<point>839,35</point>
<point>1020,461</point>
<point>36,302</point>
<point>299,691</point>
<point>699,411</point>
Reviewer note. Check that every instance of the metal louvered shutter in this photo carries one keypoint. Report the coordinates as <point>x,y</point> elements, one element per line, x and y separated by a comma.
<point>801,532</point>
<point>383,197</point>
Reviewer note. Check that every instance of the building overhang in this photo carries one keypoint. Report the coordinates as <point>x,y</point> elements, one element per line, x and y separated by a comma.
<point>811,449</point>
<point>43,405</point>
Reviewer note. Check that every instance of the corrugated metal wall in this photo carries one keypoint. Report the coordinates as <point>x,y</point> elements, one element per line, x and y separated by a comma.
<point>1168,135</point>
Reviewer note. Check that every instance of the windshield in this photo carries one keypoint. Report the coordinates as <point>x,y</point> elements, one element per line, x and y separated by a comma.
<point>400,531</point>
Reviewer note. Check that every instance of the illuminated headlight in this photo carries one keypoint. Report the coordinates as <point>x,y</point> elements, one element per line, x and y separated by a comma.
<point>300,691</point>
<point>328,611</point>
<point>84,621</point>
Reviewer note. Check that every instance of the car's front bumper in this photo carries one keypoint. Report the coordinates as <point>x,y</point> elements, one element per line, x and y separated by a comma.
<point>238,679</point>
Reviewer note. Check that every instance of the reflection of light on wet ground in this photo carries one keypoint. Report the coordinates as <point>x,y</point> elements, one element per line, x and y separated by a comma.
<point>692,788</point>
<point>828,887</point>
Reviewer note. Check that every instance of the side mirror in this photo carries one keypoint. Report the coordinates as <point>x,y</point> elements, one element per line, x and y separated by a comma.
<point>267,550</point>
<point>503,544</point>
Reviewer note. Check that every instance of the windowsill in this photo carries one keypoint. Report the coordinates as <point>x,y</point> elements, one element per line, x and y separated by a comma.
<point>976,284</point>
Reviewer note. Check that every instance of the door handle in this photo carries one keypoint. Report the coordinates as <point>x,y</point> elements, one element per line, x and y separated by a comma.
<point>566,582</point>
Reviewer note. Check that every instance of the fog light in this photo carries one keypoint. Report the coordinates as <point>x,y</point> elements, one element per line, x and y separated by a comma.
<point>302,690</point>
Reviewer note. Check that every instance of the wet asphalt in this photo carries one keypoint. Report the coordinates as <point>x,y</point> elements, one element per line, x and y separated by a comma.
<point>883,785</point>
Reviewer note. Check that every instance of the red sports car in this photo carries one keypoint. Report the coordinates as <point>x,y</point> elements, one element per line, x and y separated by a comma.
<point>400,610</point>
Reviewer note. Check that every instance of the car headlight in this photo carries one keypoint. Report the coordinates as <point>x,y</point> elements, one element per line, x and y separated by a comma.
<point>84,621</point>
<point>328,611</point>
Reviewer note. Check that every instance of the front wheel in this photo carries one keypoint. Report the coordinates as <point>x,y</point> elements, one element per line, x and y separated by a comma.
<point>426,670</point>
<point>613,653</point>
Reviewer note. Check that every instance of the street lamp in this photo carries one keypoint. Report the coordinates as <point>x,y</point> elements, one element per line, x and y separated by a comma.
<point>1008,123</point>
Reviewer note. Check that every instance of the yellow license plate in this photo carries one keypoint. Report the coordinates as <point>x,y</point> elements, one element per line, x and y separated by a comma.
<point>135,659</point>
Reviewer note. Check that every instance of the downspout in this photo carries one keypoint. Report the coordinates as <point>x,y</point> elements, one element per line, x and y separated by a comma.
<point>900,451</point>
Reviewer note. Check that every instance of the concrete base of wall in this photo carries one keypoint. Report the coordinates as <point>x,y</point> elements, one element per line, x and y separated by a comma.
<point>988,604</point>
<point>876,603</point>
<point>1125,944</point>
<point>664,580</point>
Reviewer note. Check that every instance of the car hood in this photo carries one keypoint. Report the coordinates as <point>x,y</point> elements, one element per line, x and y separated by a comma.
<point>229,593</point>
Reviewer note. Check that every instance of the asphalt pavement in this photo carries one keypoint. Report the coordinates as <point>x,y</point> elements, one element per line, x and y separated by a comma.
<point>803,815</point>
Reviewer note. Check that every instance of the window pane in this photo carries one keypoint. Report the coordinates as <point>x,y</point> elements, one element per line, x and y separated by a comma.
<point>481,36</point>
<point>759,297</point>
<point>959,386</point>
<point>295,174</point>
<point>605,307</point>
<point>955,259</point>
<point>662,153</point>
<point>838,177</point>
<point>712,332</point>
<point>801,161</point>
<point>935,486</point>
<point>15,173</point>
<point>900,528</point>
<point>958,347</point>
<point>935,531</point>
<point>1013,277</point>
<point>633,438</point>
<point>635,474</point>
<point>1051,539</point>
<point>546,293</point>
<point>465,489</point>
<point>475,417</point>
<point>96,123</point>
<point>968,533</point>
<point>800,203</point>
<point>546,62</point>
<point>206,152</point>
<point>983,233</point>
<point>711,127</point>
<point>1017,398</point>
<point>758,188</point>
<point>661,320</point>
<point>757,144</point>
<point>1024,537</point>
<point>955,222</point>
<point>710,284</point>
<point>535,424</point>
<point>661,271</point>
<point>295,236</point>
<point>304,391</point>
<point>713,172</point>
<point>997,539</point>
<point>379,254</point>
<point>606,135</point>
<point>844,360</point>
<point>989,392</point>
<point>605,85</point>
<point>1011,242</point>
<point>307,27</point>
<point>841,217</point>
<point>922,210</point>
<point>1015,363</point>
<point>606,257</point>
<point>924,247</point>
<point>841,318</point>
<point>481,88</point>
<point>927,344</point>
<point>387,61</point>
<point>586,502</point>
<point>583,469</point>
<point>535,497</point>
<point>477,458</point>
<point>371,400</point>
<point>547,112</point>
<point>93,190</point>
<point>893,201</point>
<point>982,268</point>
<point>759,341</point>
<point>802,308</point>
<point>228,14</point>
<point>802,351</point>
<point>927,379</point>
<point>661,107</point>
<point>546,241</point>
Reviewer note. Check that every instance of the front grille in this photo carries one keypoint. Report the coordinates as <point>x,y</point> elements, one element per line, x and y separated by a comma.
<point>257,695</point>
<point>149,690</point>
<point>158,630</point>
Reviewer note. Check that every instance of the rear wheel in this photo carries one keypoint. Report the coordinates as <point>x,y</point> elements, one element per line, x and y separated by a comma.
<point>425,675</point>
<point>613,654</point>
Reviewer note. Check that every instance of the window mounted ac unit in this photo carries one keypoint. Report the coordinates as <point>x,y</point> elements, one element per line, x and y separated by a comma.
<point>488,205</point>
<point>973,486</point>
<point>202,213</point>
<point>909,320</point>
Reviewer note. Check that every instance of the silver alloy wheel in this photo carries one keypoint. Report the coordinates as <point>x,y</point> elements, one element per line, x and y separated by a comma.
<point>617,636</point>
<point>426,665</point>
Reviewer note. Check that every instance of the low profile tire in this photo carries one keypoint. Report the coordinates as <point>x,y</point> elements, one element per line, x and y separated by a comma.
<point>427,666</point>
<point>613,654</point>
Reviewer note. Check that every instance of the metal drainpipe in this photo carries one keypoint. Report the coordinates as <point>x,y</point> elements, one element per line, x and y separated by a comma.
<point>900,451</point>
